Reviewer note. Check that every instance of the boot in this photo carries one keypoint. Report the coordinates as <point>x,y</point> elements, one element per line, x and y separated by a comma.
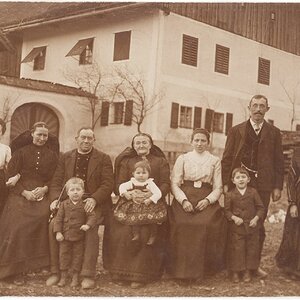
<point>75,280</point>
<point>63,279</point>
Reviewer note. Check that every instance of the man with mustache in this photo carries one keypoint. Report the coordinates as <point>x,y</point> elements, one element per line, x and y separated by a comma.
<point>256,146</point>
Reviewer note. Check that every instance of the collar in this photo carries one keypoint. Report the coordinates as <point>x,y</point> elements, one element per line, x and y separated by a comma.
<point>84,153</point>
<point>138,183</point>
<point>242,191</point>
<point>253,124</point>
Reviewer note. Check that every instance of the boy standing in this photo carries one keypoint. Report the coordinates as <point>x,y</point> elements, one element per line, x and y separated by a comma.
<point>70,225</point>
<point>245,210</point>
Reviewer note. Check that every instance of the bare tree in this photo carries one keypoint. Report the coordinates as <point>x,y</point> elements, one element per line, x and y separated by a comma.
<point>130,86</point>
<point>7,103</point>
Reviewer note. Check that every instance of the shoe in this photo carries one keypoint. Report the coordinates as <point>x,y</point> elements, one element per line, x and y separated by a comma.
<point>261,273</point>
<point>19,280</point>
<point>88,283</point>
<point>247,276</point>
<point>136,285</point>
<point>52,280</point>
<point>151,240</point>
<point>75,280</point>
<point>63,279</point>
<point>235,277</point>
<point>135,238</point>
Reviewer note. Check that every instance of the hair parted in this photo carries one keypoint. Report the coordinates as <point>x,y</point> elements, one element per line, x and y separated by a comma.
<point>142,134</point>
<point>240,170</point>
<point>256,97</point>
<point>85,128</point>
<point>74,180</point>
<point>38,125</point>
<point>144,164</point>
<point>202,131</point>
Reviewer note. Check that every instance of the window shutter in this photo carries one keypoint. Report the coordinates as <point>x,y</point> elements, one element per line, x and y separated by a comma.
<point>174,115</point>
<point>209,116</point>
<point>229,118</point>
<point>222,59</point>
<point>128,112</point>
<point>122,45</point>
<point>189,50</point>
<point>197,117</point>
<point>263,71</point>
<point>104,113</point>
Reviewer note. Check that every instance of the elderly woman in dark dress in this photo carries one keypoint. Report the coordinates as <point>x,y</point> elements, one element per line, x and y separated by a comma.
<point>129,262</point>
<point>24,222</point>
<point>288,255</point>
<point>197,225</point>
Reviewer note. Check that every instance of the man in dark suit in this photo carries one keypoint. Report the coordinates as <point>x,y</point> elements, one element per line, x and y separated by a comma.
<point>95,169</point>
<point>256,146</point>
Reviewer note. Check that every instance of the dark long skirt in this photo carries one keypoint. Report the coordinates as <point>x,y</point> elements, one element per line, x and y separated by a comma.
<point>131,261</point>
<point>3,191</point>
<point>196,240</point>
<point>23,235</point>
<point>288,255</point>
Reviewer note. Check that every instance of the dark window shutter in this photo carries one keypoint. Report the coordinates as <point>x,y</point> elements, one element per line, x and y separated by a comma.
<point>264,71</point>
<point>122,45</point>
<point>229,118</point>
<point>174,115</point>
<point>128,112</point>
<point>222,59</point>
<point>189,50</point>
<point>197,117</point>
<point>104,113</point>
<point>209,116</point>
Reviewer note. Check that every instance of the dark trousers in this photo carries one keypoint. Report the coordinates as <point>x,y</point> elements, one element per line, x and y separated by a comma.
<point>91,251</point>
<point>71,255</point>
<point>244,251</point>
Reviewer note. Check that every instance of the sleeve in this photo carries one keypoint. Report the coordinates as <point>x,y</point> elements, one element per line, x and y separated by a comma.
<point>279,162</point>
<point>228,157</point>
<point>123,173</point>
<point>260,209</point>
<point>59,218</point>
<point>156,193</point>
<point>227,206</point>
<point>177,179</point>
<point>91,219</point>
<point>125,187</point>
<point>7,156</point>
<point>216,182</point>
<point>164,175</point>
<point>106,181</point>
<point>291,186</point>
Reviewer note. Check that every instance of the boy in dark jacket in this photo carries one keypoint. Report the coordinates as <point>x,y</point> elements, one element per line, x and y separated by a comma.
<point>245,210</point>
<point>70,225</point>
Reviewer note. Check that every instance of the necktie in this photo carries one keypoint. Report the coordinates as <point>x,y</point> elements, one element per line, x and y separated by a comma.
<point>256,129</point>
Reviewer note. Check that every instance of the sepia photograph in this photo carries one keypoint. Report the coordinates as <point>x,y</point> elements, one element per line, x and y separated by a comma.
<point>149,149</point>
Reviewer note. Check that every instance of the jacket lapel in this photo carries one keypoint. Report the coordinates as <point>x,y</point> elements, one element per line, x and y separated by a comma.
<point>264,131</point>
<point>242,131</point>
<point>70,162</point>
<point>92,163</point>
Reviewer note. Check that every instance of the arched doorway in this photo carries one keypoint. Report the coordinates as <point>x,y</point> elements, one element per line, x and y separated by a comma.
<point>27,114</point>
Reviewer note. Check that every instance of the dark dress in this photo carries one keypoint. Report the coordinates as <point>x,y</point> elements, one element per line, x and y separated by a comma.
<point>128,261</point>
<point>24,224</point>
<point>288,255</point>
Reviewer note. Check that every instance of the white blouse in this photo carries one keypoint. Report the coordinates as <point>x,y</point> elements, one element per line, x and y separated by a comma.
<point>197,167</point>
<point>5,155</point>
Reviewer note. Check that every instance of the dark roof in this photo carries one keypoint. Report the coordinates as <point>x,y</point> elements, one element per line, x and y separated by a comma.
<point>45,86</point>
<point>15,13</point>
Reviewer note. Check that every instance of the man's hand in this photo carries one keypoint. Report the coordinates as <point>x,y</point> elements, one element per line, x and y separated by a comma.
<point>29,195</point>
<point>40,192</point>
<point>276,194</point>
<point>294,211</point>
<point>237,220</point>
<point>147,201</point>
<point>12,181</point>
<point>202,204</point>
<point>187,206</point>
<point>59,236</point>
<point>90,204</point>
<point>253,222</point>
<point>54,204</point>
<point>225,188</point>
<point>85,227</point>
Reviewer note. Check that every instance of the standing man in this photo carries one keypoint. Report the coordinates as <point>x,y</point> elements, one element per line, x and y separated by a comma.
<point>95,169</point>
<point>256,146</point>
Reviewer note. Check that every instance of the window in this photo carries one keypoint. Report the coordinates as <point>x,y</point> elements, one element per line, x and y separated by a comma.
<point>263,71</point>
<point>218,122</point>
<point>185,120</point>
<point>83,49</point>
<point>222,59</point>
<point>38,56</point>
<point>122,45</point>
<point>118,112</point>
<point>189,50</point>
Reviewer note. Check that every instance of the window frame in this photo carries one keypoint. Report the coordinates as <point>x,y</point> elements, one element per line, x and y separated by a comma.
<point>218,122</point>
<point>185,117</point>
<point>121,41</point>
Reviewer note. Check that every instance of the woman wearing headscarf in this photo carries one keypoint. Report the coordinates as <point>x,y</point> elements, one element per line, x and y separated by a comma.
<point>131,262</point>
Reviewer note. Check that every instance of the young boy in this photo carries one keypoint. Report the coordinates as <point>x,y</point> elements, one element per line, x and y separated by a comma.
<point>244,209</point>
<point>70,225</point>
<point>150,211</point>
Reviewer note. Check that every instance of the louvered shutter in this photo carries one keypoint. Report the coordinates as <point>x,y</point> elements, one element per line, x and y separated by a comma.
<point>229,118</point>
<point>128,112</point>
<point>104,113</point>
<point>209,116</point>
<point>174,115</point>
<point>264,71</point>
<point>222,59</point>
<point>197,117</point>
<point>189,50</point>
